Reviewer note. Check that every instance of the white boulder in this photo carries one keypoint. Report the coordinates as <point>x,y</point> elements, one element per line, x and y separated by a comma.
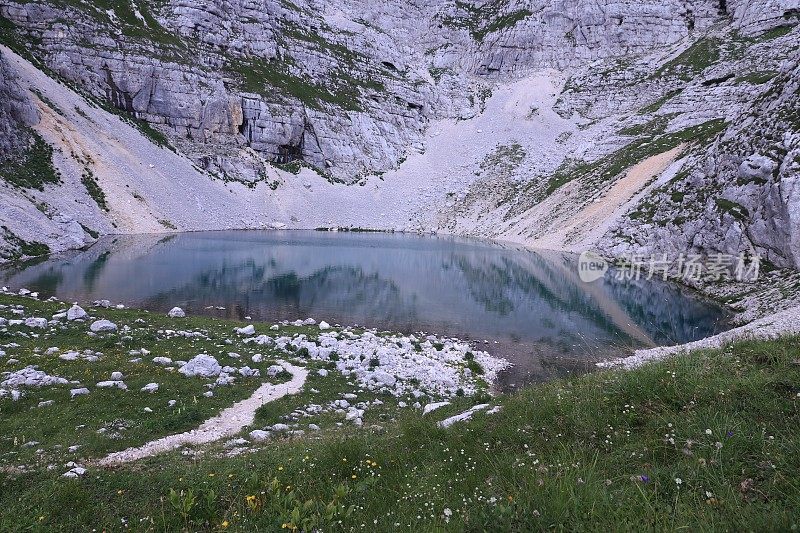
<point>259,435</point>
<point>102,326</point>
<point>78,471</point>
<point>384,378</point>
<point>31,377</point>
<point>76,312</point>
<point>150,387</point>
<point>202,365</point>
<point>247,330</point>
<point>433,406</point>
<point>274,370</point>
<point>36,322</point>
<point>176,312</point>
<point>112,383</point>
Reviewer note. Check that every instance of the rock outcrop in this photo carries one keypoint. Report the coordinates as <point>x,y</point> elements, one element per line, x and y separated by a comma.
<point>17,113</point>
<point>345,86</point>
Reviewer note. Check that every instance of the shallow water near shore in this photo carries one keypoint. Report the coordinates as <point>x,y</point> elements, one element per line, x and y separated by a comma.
<point>527,306</point>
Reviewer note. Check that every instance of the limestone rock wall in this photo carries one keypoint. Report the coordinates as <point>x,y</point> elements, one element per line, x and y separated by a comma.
<point>344,85</point>
<point>742,195</point>
<point>16,113</point>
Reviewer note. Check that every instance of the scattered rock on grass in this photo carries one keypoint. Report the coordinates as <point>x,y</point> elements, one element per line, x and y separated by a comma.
<point>77,471</point>
<point>76,312</point>
<point>202,365</point>
<point>176,312</point>
<point>103,326</point>
<point>31,377</point>
<point>150,387</point>
<point>259,435</point>
<point>433,406</point>
<point>112,383</point>
<point>247,330</point>
<point>36,322</point>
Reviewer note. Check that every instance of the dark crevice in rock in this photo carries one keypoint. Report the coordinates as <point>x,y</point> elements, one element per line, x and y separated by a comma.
<point>118,98</point>
<point>717,81</point>
<point>289,152</point>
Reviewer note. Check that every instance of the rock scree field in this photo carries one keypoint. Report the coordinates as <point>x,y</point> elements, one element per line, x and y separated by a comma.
<point>379,431</point>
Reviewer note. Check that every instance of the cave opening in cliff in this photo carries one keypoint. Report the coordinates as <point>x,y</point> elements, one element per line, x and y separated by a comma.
<point>288,153</point>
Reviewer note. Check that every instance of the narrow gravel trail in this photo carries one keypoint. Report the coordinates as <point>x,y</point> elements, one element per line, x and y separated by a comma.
<point>229,422</point>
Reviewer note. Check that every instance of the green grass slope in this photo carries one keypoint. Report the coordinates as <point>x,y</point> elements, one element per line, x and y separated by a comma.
<point>707,442</point>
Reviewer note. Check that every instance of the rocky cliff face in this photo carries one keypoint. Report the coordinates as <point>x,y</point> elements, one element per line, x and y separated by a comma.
<point>295,82</point>
<point>17,113</point>
<point>344,86</point>
<point>624,125</point>
<point>738,196</point>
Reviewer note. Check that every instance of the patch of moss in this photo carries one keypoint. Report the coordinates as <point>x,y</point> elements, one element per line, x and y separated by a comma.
<point>485,19</point>
<point>437,72</point>
<point>93,189</point>
<point>135,21</point>
<point>757,78</point>
<point>34,168</point>
<point>504,158</point>
<point>155,136</point>
<point>82,113</point>
<point>22,248</point>
<point>653,127</point>
<point>49,103</point>
<point>775,33</point>
<point>274,79</point>
<point>501,23</point>
<point>693,61</point>
<point>89,231</point>
<point>738,211</point>
<point>658,104</point>
<point>292,167</point>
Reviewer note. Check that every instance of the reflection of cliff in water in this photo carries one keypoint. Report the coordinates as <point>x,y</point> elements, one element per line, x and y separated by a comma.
<point>530,306</point>
<point>252,290</point>
<point>670,313</point>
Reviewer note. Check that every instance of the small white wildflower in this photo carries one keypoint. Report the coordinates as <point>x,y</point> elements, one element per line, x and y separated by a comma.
<point>678,481</point>
<point>708,432</point>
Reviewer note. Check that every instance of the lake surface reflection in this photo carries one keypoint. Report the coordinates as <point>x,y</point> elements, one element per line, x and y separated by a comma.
<point>530,306</point>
